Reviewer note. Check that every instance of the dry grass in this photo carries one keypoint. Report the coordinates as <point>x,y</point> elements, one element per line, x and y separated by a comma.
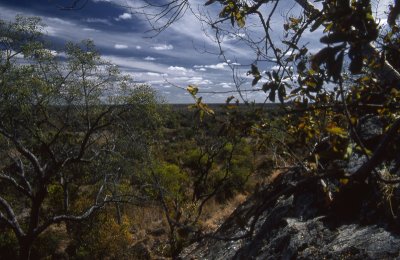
<point>145,219</point>
<point>148,224</point>
<point>58,233</point>
<point>273,176</point>
<point>214,213</point>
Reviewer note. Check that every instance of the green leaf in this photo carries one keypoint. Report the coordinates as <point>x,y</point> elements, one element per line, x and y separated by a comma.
<point>256,74</point>
<point>240,19</point>
<point>328,27</point>
<point>229,99</point>
<point>317,24</point>
<point>254,70</point>
<point>192,90</point>
<point>336,130</point>
<point>275,75</point>
<point>271,95</point>
<point>255,80</point>
<point>334,38</point>
<point>282,94</point>
<point>356,64</point>
<point>267,86</point>
<point>311,84</point>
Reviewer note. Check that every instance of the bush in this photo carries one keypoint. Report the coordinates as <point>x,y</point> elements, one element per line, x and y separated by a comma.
<point>101,238</point>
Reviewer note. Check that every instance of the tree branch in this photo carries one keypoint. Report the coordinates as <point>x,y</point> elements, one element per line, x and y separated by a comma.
<point>86,214</point>
<point>25,152</point>
<point>379,154</point>
<point>387,71</point>
<point>12,219</point>
<point>14,182</point>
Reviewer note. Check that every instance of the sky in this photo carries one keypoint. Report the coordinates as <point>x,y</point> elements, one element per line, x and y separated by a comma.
<point>184,54</point>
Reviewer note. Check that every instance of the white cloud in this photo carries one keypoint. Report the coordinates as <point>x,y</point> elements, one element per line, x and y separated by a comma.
<point>219,66</point>
<point>61,54</point>
<point>135,74</point>
<point>177,68</point>
<point>163,47</point>
<point>181,78</point>
<point>233,37</point>
<point>120,46</point>
<point>225,85</point>
<point>382,22</point>
<point>124,16</point>
<point>90,30</point>
<point>59,21</point>
<point>19,55</point>
<point>53,52</point>
<point>135,65</point>
<point>98,20</point>
<point>155,74</point>
<point>50,30</point>
<point>177,53</point>
<point>156,82</point>
<point>199,81</point>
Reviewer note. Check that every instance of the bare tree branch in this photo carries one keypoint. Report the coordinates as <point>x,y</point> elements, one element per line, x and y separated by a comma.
<point>20,188</point>
<point>379,154</point>
<point>11,220</point>
<point>25,152</point>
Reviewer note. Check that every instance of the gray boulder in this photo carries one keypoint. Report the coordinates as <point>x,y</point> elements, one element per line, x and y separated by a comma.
<point>291,221</point>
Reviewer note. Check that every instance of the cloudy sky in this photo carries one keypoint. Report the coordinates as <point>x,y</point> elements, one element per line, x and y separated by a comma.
<point>177,57</point>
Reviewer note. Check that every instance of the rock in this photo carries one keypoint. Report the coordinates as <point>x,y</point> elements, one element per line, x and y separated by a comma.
<point>370,129</point>
<point>296,225</point>
<point>297,218</point>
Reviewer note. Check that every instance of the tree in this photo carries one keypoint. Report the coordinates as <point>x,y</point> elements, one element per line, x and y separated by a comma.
<point>66,131</point>
<point>328,94</point>
<point>189,171</point>
<point>329,90</point>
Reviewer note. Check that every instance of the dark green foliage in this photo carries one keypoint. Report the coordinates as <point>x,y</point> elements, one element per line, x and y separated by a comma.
<point>66,146</point>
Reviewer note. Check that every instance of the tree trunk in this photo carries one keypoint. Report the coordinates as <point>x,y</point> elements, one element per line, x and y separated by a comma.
<point>118,212</point>
<point>25,246</point>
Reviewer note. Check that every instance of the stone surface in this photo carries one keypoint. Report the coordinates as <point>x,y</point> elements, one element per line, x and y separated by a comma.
<point>317,218</point>
<point>298,225</point>
<point>369,128</point>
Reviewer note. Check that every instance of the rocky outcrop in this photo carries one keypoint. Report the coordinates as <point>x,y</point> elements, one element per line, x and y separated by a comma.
<point>315,217</point>
<point>293,219</point>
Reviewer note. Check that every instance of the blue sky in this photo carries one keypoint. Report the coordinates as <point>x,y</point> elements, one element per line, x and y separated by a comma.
<point>179,56</point>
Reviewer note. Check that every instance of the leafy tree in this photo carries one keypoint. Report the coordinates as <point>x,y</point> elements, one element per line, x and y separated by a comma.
<point>328,94</point>
<point>190,170</point>
<point>331,90</point>
<point>66,133</point>
<point>101,237</point>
